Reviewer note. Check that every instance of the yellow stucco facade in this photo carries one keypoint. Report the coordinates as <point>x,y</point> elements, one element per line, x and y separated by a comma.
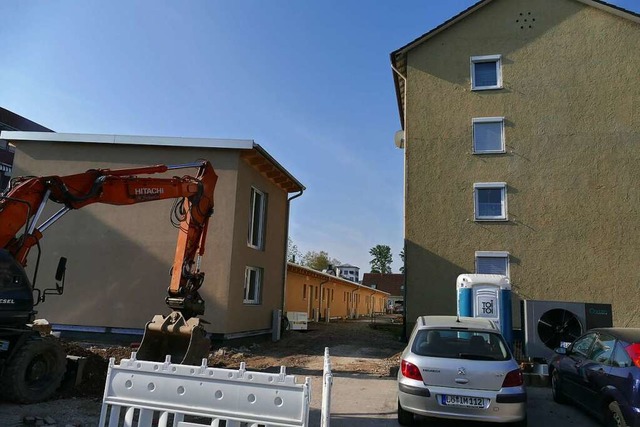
<point>319,294</point>
<point>570,100</point>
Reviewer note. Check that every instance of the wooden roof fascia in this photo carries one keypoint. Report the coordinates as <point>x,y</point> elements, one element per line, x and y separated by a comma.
<point>268,167</point>
<point>264,168</point>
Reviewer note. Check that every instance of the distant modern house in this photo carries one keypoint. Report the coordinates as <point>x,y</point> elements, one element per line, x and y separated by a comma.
<point>119,256</point>
<point>521,124</point>
<point>349,272</point>
<point>323,295</point>
<point>12,121</point>
<point>392,283</point>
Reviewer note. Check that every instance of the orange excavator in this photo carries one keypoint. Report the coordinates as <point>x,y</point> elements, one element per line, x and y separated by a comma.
<point>32,365</point>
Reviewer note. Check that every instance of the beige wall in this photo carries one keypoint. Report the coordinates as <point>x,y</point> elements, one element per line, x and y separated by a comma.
<point>243,317</point>
<point>119,257</point>
<point>571,103</point>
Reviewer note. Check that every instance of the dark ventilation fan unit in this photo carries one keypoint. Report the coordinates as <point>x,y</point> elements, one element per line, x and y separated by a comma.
<point>552,324</point>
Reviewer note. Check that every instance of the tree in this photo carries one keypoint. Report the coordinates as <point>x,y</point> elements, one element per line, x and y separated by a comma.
<point>319,260</point>
<point>382,258</point>
<point>293,253</point>
<point>402,259</point>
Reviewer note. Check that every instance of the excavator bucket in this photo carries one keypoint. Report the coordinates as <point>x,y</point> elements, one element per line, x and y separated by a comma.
<point>185,340</point>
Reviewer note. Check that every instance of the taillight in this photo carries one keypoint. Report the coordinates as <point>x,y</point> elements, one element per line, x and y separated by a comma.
<point>513,379</point>
<point>410,370</point>
<point>633,351</point>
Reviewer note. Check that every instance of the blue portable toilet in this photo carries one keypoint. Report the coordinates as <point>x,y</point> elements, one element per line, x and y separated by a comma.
<point>487,296</point>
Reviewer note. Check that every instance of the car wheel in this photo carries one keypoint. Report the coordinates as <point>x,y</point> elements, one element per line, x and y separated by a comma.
<point>405,418</point>
<point>35,372</point>
<point>613,417</point>
<point>556,388</point>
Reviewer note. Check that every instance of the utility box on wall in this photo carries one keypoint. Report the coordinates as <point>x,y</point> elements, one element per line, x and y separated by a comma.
<point>487,296</point>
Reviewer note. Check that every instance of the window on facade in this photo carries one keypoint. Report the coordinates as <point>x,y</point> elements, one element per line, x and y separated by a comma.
<point>304,291</point>
<point>488,135</point>
<point>253,285</point>
<point>257,221</point>
<point>486,72</point>
<point>492,262</point>
<point>490,199</point>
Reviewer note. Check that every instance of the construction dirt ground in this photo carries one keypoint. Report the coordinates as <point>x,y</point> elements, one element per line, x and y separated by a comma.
<point>368,348</point>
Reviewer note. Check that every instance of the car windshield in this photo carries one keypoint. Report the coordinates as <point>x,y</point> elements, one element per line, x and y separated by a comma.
<point>455,344</point>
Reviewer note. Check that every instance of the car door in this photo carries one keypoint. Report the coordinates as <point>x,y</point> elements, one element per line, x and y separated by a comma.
<point>621,375</point>
<point>571,366</point>
<point>595,371</point>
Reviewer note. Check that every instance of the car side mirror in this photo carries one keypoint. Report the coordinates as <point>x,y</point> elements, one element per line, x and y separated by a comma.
<point>561,350</point>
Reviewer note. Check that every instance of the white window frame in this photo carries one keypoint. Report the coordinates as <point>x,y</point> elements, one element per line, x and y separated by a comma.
<point>258,285</point>
<point>490,185</point>
<point>486,58</point>
<point>479,120</point>
<point>257,222</point>
<point>493,254</point>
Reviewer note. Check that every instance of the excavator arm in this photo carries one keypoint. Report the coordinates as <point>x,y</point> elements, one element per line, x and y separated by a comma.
<point>21,228</point>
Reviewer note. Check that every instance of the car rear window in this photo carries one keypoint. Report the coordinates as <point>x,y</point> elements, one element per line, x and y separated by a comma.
<point>460,344</point>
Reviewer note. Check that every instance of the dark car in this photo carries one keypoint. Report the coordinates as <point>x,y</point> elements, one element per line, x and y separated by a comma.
<point>600,371</point>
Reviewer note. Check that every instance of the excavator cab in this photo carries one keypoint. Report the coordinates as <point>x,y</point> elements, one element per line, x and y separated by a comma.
<point>16,297</point>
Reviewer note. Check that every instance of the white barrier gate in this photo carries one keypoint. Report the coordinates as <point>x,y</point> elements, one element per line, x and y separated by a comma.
<point>327,383</point>
<point>143,394</point>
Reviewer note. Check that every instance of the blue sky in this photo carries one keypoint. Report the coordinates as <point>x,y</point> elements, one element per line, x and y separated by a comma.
<point>310,81</point>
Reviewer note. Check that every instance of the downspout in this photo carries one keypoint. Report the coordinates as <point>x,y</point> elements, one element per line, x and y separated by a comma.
<point>373,303</point>
<point>353,302</point>
<point>286,249</point>
<point>404,216</point>
<point>320,299</point>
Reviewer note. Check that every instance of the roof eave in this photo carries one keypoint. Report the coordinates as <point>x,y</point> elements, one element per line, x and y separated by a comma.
<point>289,182</point>
<point>17,136</point>
<point>401,53</point>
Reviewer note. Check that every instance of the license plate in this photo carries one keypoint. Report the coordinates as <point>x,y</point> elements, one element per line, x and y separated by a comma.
<point>463,401</point>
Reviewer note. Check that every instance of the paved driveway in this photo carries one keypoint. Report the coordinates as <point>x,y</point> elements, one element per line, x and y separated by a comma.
<point>356,401</point>
<point>366,401</point>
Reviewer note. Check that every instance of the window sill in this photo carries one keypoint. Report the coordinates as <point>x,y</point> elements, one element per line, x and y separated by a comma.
<point>491,219</point>
<point>481,88</point>
<point>251,303</point>
<point>480,153</point>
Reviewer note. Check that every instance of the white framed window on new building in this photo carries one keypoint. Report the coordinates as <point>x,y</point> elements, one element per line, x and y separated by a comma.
<point>488,135</point>
<point>486,72</point>
<point>258,208</point>
<point>253,285</point>
<point>490,201</point>
<point>492,262</point>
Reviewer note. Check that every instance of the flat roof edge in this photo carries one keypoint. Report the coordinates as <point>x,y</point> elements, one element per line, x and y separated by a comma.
<point>163,141</point>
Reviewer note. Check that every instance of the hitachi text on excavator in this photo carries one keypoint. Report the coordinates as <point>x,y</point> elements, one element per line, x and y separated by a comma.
<point>32,365</point>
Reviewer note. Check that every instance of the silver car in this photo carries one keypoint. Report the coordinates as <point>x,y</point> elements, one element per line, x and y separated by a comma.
<point>460,368</point>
